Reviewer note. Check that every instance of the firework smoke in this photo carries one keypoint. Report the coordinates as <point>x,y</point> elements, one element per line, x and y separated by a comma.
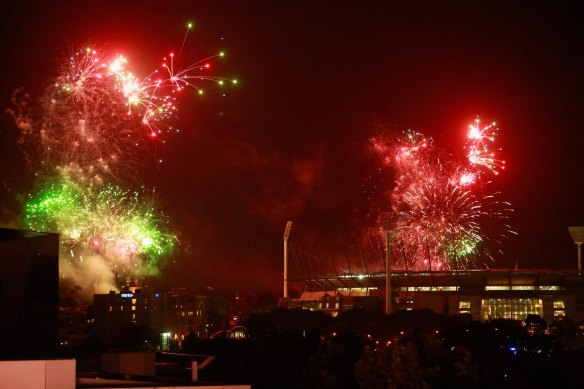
<point>441,209</point>
<point>90,130</point>
<point>105,227</point>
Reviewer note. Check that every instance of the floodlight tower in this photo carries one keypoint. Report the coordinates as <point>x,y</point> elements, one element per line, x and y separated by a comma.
<point>577,234</point>
<point>286,236</point>
<point>386,224</point>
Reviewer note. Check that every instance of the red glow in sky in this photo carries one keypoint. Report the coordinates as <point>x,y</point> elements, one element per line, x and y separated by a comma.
<point>290,142</point>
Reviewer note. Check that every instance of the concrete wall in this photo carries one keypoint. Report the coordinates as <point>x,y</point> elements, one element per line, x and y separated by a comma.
<point>41,374</point>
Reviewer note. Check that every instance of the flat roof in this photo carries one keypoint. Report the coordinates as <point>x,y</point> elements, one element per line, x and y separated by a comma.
<point>93,380</point>
<point>462,278</point>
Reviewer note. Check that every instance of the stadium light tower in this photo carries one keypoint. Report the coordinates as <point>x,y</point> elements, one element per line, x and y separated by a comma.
<point>286,236</point>
<point>385,219</point>
<point>577,234</point>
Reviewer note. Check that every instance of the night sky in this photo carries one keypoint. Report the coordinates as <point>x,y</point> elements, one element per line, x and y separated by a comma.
<point>316,80</point>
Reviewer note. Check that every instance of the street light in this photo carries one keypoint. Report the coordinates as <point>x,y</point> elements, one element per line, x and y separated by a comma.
<point>577,234</point>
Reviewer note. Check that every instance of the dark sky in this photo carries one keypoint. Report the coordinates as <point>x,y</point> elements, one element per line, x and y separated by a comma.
<point>290,142</point>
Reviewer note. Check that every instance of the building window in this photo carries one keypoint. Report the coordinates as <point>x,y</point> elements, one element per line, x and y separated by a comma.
<point>516,309</point>
<point>514,287</point>
<point>426,288</point>
<point>497,287</point>
<point>559,308</point>
<point>559,304</point>
<point>550,287</point>
<point>356,291</point>
<point>523,287</point>
<point>464,307</point>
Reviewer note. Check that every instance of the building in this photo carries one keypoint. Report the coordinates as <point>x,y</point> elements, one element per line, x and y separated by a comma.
<point>185,313</point>
<point>115,312</point>
<point>29,293</point>
<point>484,294</point>
<point>171,315</point>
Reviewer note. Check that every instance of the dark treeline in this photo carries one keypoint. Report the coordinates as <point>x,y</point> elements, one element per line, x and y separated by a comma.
<point>409,349</point>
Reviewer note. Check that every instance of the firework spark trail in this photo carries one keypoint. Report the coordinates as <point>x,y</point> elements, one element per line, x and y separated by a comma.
<point>98,116</point>
<point>479,151</point>
<point>93,126</point>
<point>119,230</point>
<point>441,206</point>
<point>117,223</point>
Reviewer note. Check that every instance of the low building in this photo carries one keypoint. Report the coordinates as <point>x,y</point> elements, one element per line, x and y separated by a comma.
<point>484,294</point>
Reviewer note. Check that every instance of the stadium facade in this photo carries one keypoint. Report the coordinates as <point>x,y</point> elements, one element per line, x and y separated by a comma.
<point>483,294</point>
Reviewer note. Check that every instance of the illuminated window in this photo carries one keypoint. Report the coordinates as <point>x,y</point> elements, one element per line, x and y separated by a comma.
<point>559,308</point>
<point>497,287</point>
<point>356,291</point>
<point>516,309</point>
<point>427,288</point>
<point>550,287</point>
<point>523,287</point>
<point>133,307</point>
<point>134,301</point>
<point>512,287</point>
<point>111,308</point>
<point>559,304</point>
<point>464,307</point>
